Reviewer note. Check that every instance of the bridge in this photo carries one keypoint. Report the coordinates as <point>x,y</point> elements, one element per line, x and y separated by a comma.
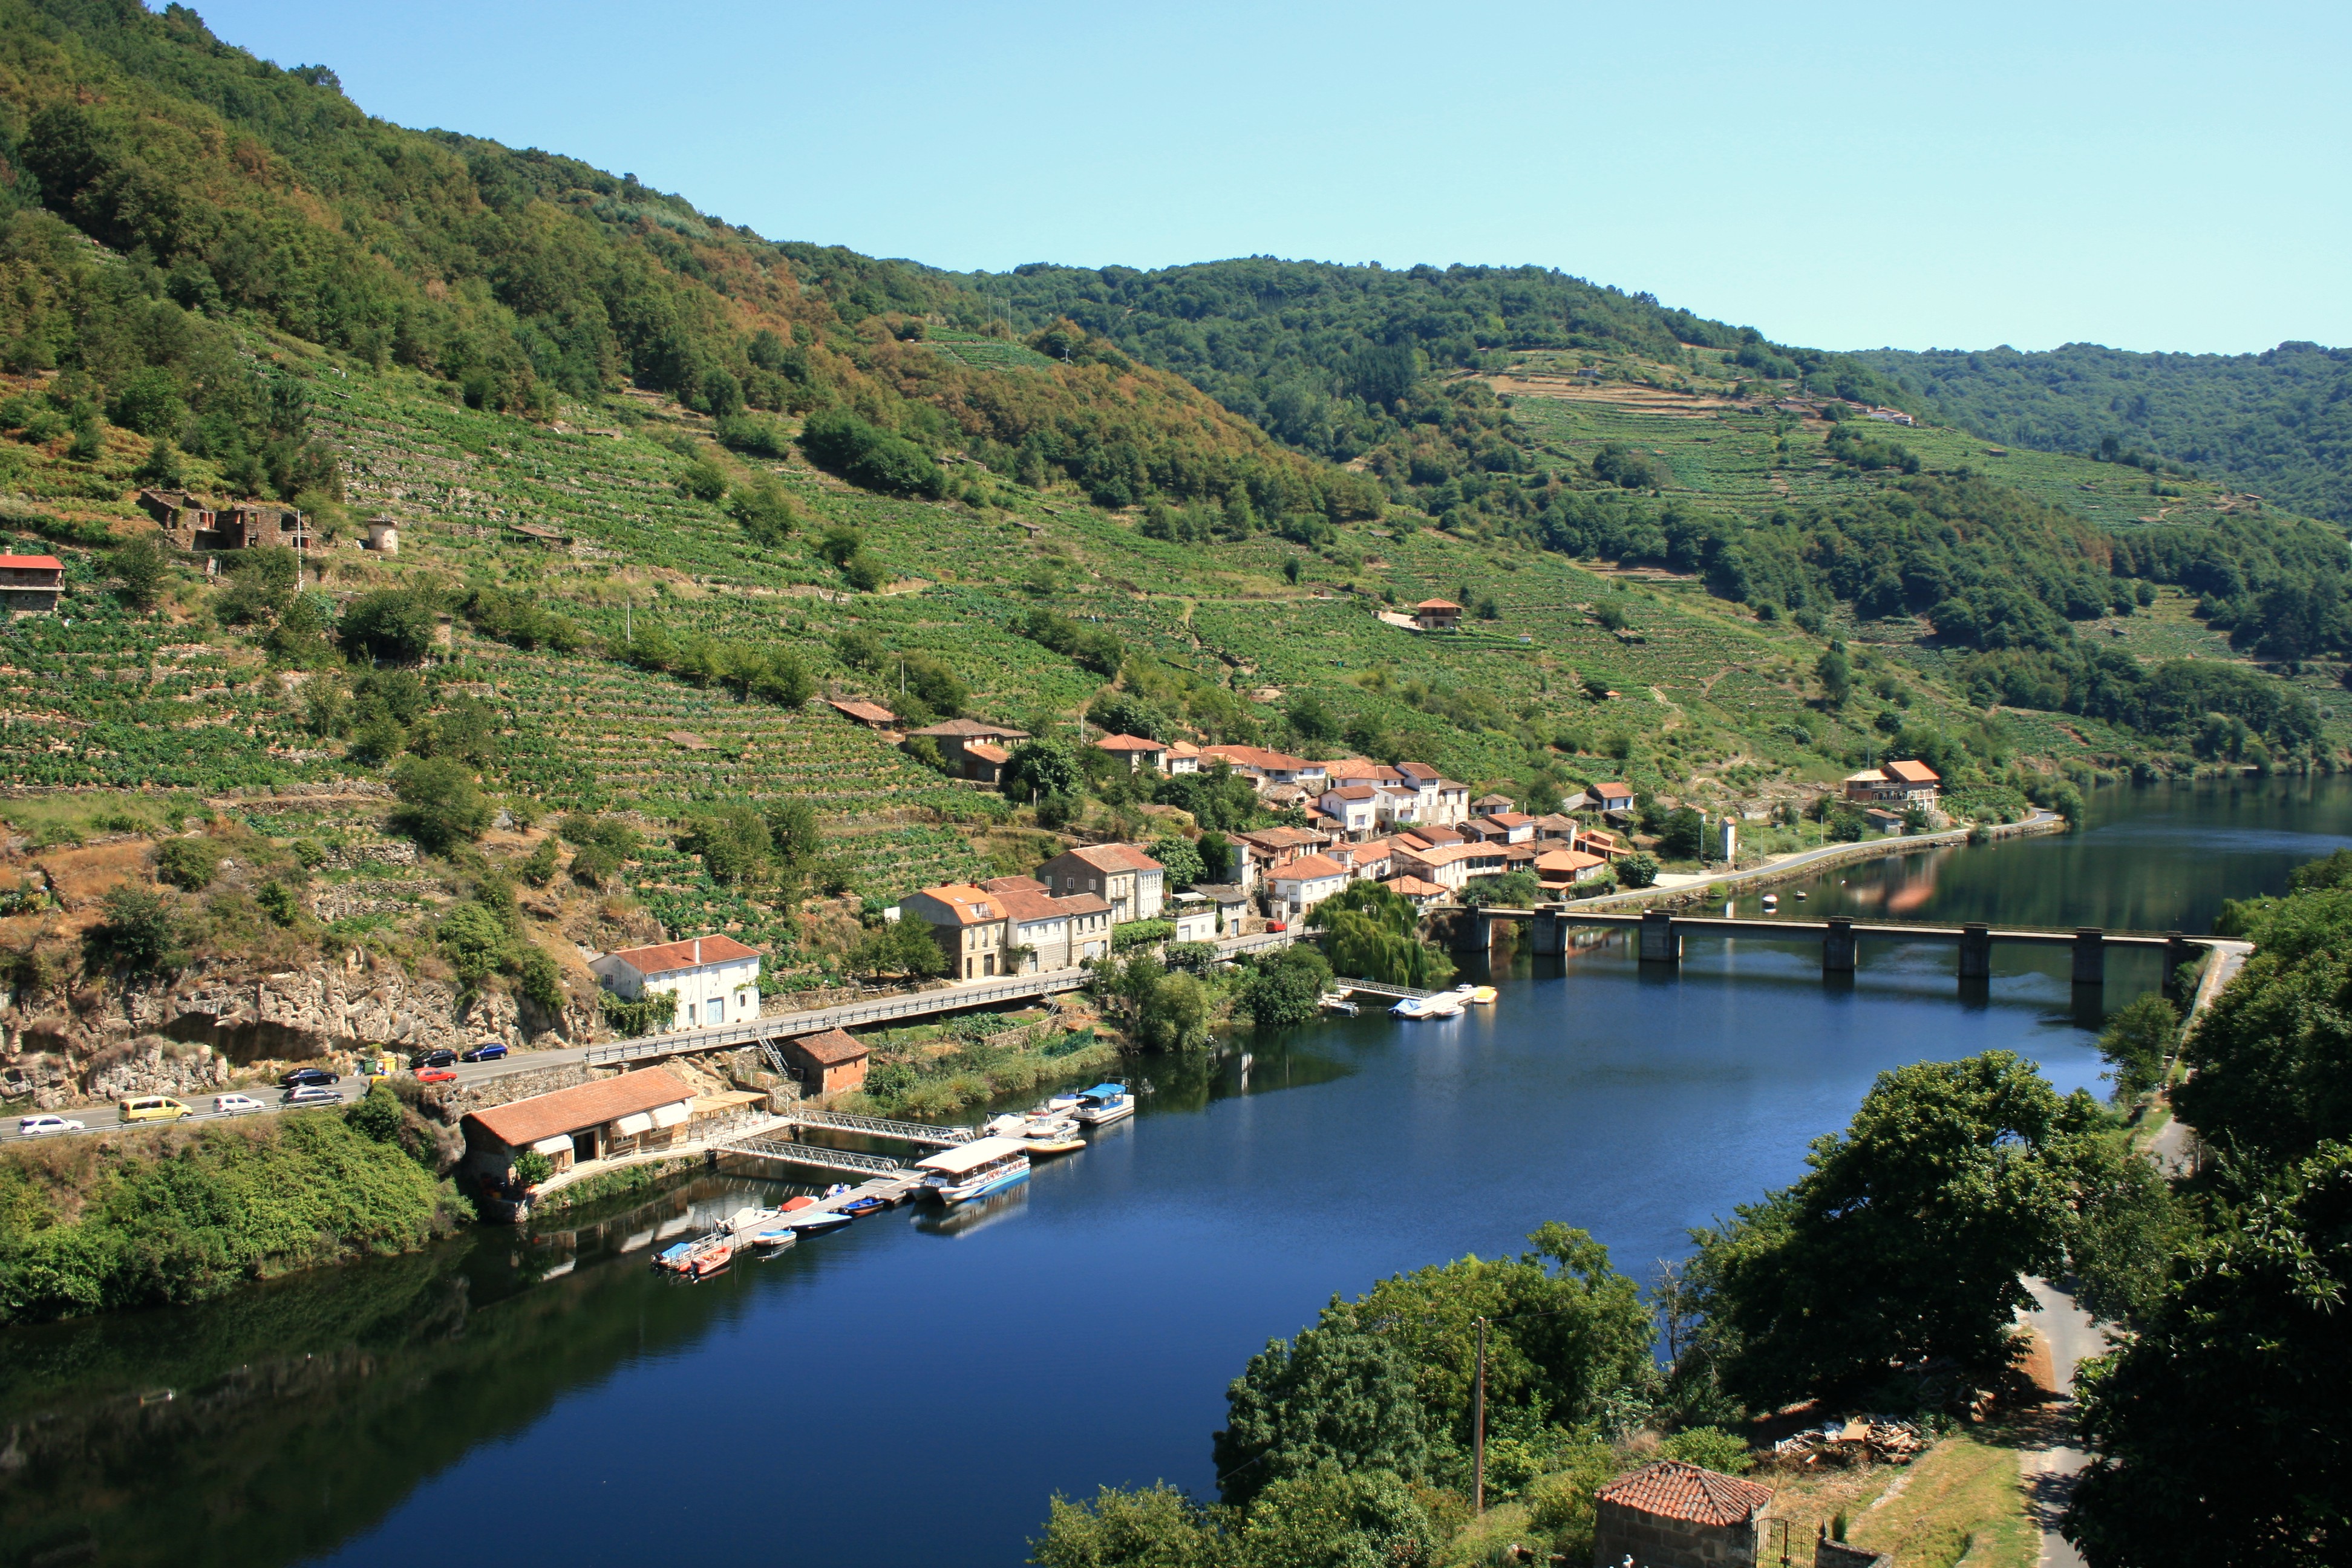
<point>1377,988</point>
<point>764,1147</point>
<point>920,1132</point>
<point>767,1142</point>
<point>1661,934</point>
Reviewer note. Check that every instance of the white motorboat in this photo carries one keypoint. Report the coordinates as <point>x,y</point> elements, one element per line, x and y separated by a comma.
<point>1337,1002</point>
<point>1443,1005</point>
<point>1104,1104</point>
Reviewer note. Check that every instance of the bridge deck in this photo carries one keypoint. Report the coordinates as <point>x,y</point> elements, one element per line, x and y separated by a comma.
<point>1814,929</point>
<point>919,1132</point>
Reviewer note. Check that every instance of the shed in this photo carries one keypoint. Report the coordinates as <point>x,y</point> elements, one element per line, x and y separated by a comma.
<point>31,583</point>
<point>1670,1514</point>
<point>829,1062</point>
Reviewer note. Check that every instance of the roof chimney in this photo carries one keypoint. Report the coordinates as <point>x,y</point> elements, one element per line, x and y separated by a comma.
<point>698,950</point>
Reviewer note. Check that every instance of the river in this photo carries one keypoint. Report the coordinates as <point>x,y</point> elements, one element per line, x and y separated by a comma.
<point>910,1391</point>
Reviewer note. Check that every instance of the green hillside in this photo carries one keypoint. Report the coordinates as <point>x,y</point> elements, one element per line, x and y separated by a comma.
<point>762,473</point>
<point>2278,423</point>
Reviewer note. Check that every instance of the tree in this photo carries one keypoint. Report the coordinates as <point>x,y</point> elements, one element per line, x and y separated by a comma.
<point>1835,673</point>
<point>1216,852</point>
<point>2138,1042</point>
<point>1338,1517</point>
<point>1042,768</point>
<point>397,624</point>
<point>1683,834</point>
<point>1152,1527</point>
<point>188,864</point>
<point>1639,870</point>
<point>1173,1013</point>
<point>1511,890</point>
<point>142,568</point>
<point>1180,860</point>
<point>1372,933</point>
<point>2269,1065</point>
<point>1338,1393</point>
<point>440,804</point>
<point>897,947</point>
<point>2218,1429</point>
<point>377,1115</point>
<point>141,932</point>
<point>1286,989</point>
<point>764,512</point>
<point>733,841</point>
<point>1906,1240</point>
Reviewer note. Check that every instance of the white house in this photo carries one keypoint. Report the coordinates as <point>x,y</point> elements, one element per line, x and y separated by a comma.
<point>1060,934</point>
<point>1356,807</point>
<point>1196,920</point>
<point>715,979</point>
<point>1131,882</point>
<point>1305,882</point>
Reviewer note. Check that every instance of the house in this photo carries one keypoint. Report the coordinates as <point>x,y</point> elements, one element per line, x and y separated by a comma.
<point>1122,875</point>
<point>1893,783</point>
<point>1562,868</point>
<point>188,524</point>
<point>1354,808</point>
<point>984,761</point>
<point>1304,883</point>
<point>1183,757</point>
<point>1451,865</point>
<point>1556,825</point>
<point>832,1061</point>
<point>31,584</point>
<point>185,522</point>
<point>1489,804</point>
<point>1421,894</point>
<point>1196,920</point>
<point>1881,820</point>
<point>1270,848</point>
<point>968,923</point>
<point>1048,932</point>
<point>384,535</point>
<point>1371,860</point>
<point>1442,801</point>
<point>1231,901</point>
<point>1437,615</point>
<point>1670,1514</point>
<point>1594,841</point>
<point>956,734</point>
<point>1265,766</point>
<point>858,710</point>
<point>714,979</point>
<point>635,1111</point>
<point>1139,751</point>
<point>1613,796</point>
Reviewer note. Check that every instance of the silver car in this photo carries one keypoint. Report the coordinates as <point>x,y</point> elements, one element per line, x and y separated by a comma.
<point>313,1094</point>
<point>35,1126</point>
<point>235,1104</point>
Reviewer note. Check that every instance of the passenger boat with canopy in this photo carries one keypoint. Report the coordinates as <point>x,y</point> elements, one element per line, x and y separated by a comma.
<point>975,1169</point>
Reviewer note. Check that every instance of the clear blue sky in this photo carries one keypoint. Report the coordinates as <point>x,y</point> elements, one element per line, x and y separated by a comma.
<point>2150,176</point>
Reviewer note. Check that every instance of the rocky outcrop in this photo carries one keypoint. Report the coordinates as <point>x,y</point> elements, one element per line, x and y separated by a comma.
<point>50,1080</point>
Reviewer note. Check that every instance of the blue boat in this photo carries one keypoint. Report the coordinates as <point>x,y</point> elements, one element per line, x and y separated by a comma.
<point>1104,1104</point>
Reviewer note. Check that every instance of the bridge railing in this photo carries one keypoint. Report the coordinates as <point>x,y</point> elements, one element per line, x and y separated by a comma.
<point>883,1127</point>
<point>816,1154</point>
<point>921,1004</point>
<point>1377,988</point>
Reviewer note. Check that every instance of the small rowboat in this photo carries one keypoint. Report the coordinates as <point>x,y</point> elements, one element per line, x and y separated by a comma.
<point>819,1221</point>
<point>858,1206</point>
<point>770,1243</point>
<point>698,1259</point>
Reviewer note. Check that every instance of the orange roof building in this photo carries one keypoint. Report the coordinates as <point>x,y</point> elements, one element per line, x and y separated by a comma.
<point>1672,1512</point>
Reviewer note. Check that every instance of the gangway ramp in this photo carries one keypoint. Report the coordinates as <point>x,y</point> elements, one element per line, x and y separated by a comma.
<point>918,1133</point>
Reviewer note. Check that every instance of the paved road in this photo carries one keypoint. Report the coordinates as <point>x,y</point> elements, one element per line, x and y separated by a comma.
<point>1686,882</point>
<point>2050,1472</point>
<point>105,1118</point>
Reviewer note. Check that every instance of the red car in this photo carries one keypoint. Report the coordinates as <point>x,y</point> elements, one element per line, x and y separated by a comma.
<point>435,1075</point>
<point>1276,925</point>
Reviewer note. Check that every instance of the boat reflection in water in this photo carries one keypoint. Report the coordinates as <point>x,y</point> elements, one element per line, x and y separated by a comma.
<point>978,1214</point>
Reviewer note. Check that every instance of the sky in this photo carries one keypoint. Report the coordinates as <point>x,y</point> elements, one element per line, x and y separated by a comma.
<point>2147,176</point>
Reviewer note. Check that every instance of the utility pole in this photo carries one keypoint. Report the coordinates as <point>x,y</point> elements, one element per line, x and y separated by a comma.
<point>629,621</point>
<point>1478,1428</point>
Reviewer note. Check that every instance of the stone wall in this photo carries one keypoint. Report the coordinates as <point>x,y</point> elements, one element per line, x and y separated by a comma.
<point>451,1102</point>
<point>1653,1541</point>
<point>1828,1553</point>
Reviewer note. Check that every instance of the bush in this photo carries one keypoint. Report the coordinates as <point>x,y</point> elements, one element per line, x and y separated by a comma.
<point>1639,870</point>
<point>764,511</point>
<point>870,456</point>
<point>1710,1448</point>
<point>440,804</point>
<point>189,864</point>
<point>397,624</point>
<point>1287,989</point>
<point>142,933</point>
<point>531,1167</point>
<point>1140,934</point>
<point>377,1115</point>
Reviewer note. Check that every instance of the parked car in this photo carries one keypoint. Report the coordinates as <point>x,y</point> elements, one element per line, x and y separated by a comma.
<point>435,1075</point>
<point>1276,925</point>
<point>35,1126</point>
<point>154,1108</point>
<point>301,1076</point>
<point>235,1104</point>
<point>488,1052</point>
<point>313,1094</point>
<point>439,1056</point>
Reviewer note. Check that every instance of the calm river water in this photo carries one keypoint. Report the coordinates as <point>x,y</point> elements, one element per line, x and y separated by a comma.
<point>910,1391</point>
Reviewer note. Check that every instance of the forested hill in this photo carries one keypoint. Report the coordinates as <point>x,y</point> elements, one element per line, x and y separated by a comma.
<point>1333,359</point>
<point>2278,423</point>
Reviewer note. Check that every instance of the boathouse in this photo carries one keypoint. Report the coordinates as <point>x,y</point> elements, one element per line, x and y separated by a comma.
<point>628,1114</point>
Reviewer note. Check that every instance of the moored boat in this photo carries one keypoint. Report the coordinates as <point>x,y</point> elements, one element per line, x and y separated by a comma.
<point>1063,1143</point>
<point>1482,996</point>
<point>975,1169</point>
<point>1104,1104</point>
<point>770,1243</point>
<point>1337,1002</point>
<point>704,1256</point>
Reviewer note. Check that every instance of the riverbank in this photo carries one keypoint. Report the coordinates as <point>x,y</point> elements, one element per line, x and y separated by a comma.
<point>1800,864</point>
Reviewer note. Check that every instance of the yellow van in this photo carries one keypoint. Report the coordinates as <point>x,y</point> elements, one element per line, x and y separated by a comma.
<point>154,1108</point>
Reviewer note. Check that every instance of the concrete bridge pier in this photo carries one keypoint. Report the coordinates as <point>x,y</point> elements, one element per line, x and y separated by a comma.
<point>1838,945</point>
<point>1661,943</point>
<point>1547,933</point>
<point>1976,951</point>
<point>2090,956</point>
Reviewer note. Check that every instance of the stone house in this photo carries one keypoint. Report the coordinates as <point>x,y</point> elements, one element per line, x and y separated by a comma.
<point>970,925</point>
<point>956,736</point>
<point>1121,875</point>
<point>714,979</point>
<point>31,583</point>
<point>1670,1514</point>
<point>628,1114</point>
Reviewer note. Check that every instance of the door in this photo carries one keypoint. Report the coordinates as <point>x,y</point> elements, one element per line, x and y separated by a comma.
<point>584,1146</point>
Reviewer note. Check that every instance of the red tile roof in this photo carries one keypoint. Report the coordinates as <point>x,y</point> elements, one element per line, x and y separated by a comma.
<point>1115,857</point>
<point>1437,605</point>
<point>664,957</point>
<point>1911,773</point>
<point>970,729</point>
<point>1025,907</point>
<point>1127,744</point>
<point>864,712</point>
<point>1015,885</point>
<point>967,904</point>
<point>1672,1490</point>
<point>524,1123</point>
<point>1413,888</point>
<point>987,753</point>
<point>1308,868</point>
<point>831,1047</point>
<point>31,564</point>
